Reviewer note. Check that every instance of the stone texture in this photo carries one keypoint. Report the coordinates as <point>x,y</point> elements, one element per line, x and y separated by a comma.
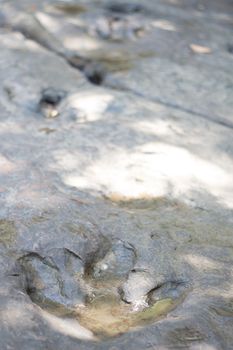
<point>135,174</point>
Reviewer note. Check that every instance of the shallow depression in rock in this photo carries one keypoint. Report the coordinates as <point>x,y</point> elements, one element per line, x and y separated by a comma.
<point>109,317</point>
<point>98,294</point>
<point>106,316</point>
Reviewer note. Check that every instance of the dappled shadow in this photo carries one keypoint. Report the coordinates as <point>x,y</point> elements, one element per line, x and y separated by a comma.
<point>112,142</point>
<point>93,165</point>
<point>161,230</point>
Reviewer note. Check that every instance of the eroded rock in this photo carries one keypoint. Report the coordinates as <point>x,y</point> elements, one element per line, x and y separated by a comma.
<point>50,99</point>
<point>125,7</point>
<point>157,138</point>
<point>54,279</point>
<point>173,289</point>
<point>137,288</point>
<point>118,28</point>
<point>117,263</point>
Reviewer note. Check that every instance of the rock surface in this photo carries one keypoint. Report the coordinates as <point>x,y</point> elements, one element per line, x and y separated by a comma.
<point>116,163</point>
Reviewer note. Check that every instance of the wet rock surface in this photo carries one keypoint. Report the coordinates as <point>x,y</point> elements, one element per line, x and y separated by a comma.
<point>116,175</point>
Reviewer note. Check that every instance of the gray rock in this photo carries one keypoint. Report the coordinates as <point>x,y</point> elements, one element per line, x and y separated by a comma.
<point>137,288</point>
<point>117,263</point>
<point>53,280</point>
<point>145,158</point>
<point>125,7</point>
<point>173,290</point>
